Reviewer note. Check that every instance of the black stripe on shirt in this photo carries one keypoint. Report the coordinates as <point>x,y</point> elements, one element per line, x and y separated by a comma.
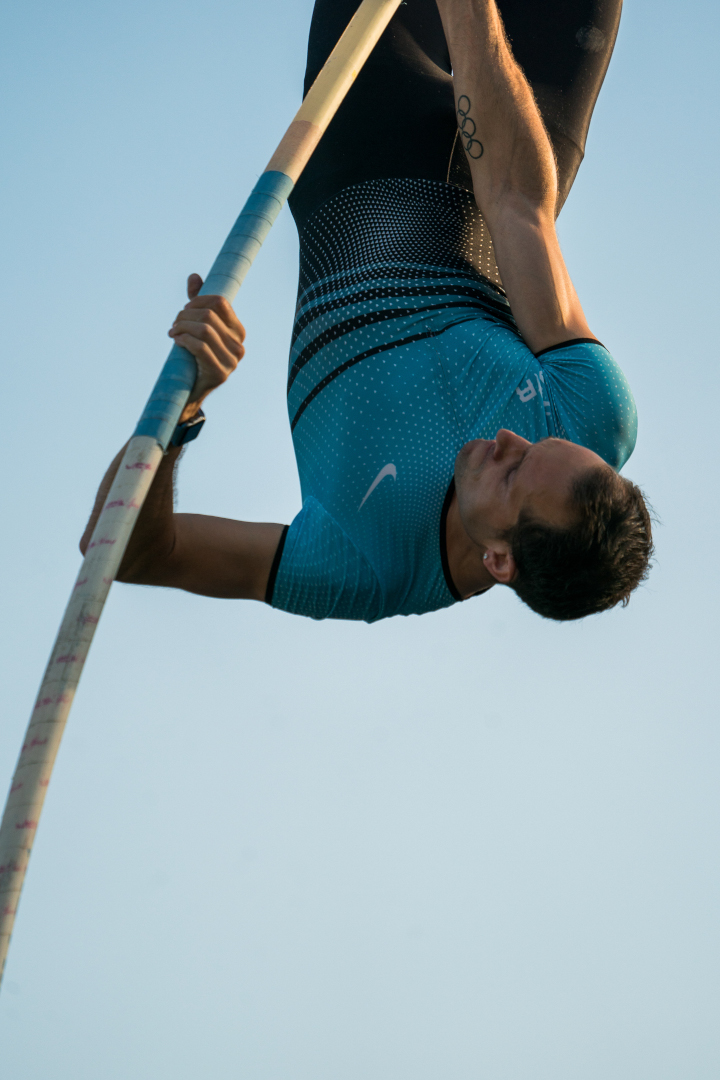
<point>275,566</point>
<point>400,271</point>
<point>494,307</point>
<point>443,542</point>
<point>371,318</point>
<point>572,341</point>
<point>356,360</point>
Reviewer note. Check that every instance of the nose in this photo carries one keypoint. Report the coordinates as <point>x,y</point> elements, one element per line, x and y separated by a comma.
<point>507,443</point>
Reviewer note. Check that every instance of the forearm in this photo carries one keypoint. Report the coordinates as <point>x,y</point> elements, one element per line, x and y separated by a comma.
<point>507,147</point>
<point>513,172</point>
<point>212,556</point>
<point>207,555</point>
<point>153,538</point>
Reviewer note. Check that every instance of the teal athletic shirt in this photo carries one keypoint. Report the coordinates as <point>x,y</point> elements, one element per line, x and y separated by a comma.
<point>402,352</point>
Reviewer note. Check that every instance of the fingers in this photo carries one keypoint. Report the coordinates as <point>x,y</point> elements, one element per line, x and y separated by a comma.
<point>193,320</point>
<point>209,333</point>
<point>194,285</point>
<point>212,371</point>
<point>210,330</point>
<point>222,308</point>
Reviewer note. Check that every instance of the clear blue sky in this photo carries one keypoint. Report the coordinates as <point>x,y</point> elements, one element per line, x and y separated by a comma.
<point>470,845</point>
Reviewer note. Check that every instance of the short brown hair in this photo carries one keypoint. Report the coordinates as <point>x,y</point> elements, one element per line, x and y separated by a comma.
<point>594,564</point>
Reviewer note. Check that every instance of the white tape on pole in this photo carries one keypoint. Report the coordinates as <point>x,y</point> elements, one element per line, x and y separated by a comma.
<point>144,453</point>
<point>37,756</point>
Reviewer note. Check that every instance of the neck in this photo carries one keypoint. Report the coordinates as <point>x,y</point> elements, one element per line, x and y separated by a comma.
<point>465,557</point>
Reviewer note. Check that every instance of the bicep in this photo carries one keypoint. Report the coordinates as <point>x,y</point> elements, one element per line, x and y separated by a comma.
<point>534,275</point>
<point>218,557</point>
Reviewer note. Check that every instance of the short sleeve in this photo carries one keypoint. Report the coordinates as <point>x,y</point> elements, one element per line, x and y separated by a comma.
<point>322,574</point>
<point>590,400</point>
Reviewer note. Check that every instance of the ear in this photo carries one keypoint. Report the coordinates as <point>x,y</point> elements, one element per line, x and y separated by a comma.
<point>500,563</point>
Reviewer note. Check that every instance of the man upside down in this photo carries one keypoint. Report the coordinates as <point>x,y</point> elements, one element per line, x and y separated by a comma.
<point>455,421</point>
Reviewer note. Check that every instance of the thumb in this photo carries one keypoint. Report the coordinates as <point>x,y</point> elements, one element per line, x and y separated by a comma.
<point>194,285</point>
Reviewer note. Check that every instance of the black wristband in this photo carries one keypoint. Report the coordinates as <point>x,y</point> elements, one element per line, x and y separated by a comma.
<point>185,433</point>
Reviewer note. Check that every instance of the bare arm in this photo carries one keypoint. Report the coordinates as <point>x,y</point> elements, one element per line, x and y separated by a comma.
<point>207,555</point>
<point>513,171</point>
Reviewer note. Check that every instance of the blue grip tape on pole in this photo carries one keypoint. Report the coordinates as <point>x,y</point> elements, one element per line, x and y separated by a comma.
<point>169,396</point>
<point>246,237</point>
<point>171,391</point>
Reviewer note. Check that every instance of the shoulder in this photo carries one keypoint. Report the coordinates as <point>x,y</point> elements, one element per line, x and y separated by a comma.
<point>591,399</point>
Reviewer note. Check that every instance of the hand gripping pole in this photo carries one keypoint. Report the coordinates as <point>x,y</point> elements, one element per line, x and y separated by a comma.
<point>145,450</point>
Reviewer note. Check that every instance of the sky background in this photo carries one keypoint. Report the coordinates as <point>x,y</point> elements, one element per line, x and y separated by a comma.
<point>472,845</point>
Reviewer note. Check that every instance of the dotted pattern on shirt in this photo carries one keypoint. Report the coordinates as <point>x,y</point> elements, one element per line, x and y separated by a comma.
<point>402,352</point>
<point>416,221</point>
<point>376,260</point>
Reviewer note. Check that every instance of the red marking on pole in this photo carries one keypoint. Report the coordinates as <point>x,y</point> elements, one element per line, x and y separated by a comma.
<point>15,787</point>
<point>26,824</point>
<point>139,465</point>
<point>90,619</point>
<point>9,911</point>
<point>107,581</point>
<point>38,742</point>
<point>79,583</point>
<point>132,505</point>
<point>70,658</point>
<point>102,540</point>
<point>118,502</point>
<point>63,699</point>
<point>43,701</point>
<point>44,783</point>
<point>11,866</point>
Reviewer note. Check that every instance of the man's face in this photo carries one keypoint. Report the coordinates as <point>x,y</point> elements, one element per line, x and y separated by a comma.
<point>496,479</point>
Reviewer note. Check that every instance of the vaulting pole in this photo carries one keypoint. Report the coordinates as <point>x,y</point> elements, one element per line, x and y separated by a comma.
<point>144,453</point>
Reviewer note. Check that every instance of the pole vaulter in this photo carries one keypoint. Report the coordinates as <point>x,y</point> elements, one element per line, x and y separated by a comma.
<point>145,451</point>
<point>456,423</point>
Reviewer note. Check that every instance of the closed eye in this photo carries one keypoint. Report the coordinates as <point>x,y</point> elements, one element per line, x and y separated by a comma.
<point>514,468</point>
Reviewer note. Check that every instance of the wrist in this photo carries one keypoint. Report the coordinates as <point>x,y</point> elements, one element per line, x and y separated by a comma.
<point>191,410</point>
<point>187,430</point>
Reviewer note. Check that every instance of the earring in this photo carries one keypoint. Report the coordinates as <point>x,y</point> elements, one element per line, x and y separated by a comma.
<point>485,555</point>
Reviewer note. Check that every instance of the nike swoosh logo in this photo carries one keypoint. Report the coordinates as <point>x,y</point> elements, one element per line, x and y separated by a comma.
<point>387,470</point>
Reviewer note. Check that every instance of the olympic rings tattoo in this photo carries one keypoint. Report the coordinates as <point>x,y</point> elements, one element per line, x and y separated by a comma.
<point>466,126</point>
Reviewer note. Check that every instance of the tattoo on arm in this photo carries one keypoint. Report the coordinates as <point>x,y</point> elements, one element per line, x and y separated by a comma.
<point>467,128</point>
